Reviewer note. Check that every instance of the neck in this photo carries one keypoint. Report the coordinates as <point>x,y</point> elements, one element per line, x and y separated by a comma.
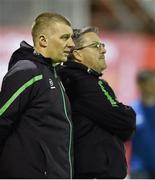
<point>40,51</point>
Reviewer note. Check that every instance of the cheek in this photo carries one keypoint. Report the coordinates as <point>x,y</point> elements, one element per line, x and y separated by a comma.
<point>56,45</point>
<point>53,48</point>
<point>92,54</point>
<point>60,51</point>
<point>96,55</point>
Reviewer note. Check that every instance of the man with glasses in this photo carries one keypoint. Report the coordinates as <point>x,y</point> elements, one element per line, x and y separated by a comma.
<point>101,123</point>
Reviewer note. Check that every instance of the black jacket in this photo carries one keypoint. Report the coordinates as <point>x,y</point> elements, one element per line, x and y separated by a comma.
<point>101,124</point>
<point>35,120</point>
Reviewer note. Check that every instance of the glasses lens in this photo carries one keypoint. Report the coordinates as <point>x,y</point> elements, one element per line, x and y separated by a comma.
<point>98,45</point>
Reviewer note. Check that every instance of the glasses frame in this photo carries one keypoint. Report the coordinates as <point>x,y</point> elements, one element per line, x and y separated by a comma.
<point>97,45</point>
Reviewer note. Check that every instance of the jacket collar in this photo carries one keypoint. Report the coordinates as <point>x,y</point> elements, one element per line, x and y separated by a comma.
<point>71,64</point>
<point>40,58</point>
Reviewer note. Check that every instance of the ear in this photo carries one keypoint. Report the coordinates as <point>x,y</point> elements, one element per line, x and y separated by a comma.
<point>42,41</point>
<point>78,55</point>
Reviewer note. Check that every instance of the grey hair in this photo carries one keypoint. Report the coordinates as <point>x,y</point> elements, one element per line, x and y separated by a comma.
<point>78,35</point>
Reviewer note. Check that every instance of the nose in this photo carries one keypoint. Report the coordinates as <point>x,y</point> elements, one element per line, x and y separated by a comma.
<point>103,50</point>
<point>71,43</point>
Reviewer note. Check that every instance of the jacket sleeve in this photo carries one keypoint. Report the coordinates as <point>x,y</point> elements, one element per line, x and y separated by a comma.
<point>96,100</point>
<point>103,108</point>
<point>15,95</point>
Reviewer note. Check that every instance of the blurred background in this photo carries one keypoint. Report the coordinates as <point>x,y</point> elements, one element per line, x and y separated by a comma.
<point>127,28</point>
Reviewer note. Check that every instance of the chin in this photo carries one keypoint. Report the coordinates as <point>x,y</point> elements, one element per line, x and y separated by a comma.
<point>64,59</point>
<point>105,67</point>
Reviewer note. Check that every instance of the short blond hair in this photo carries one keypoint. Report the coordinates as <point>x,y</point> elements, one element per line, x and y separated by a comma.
<point>42,22</point>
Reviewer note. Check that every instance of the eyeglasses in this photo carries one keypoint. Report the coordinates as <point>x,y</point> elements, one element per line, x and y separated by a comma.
<point>97,45</point>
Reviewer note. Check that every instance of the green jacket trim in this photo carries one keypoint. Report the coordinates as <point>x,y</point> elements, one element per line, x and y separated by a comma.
<point>18,92</point>
<point>108,96</point>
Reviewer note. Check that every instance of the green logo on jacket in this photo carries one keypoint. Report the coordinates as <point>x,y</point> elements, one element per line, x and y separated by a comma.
<point>108,96</point>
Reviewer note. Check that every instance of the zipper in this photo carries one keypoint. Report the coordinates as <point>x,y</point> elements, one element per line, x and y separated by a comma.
<point>69,121</point>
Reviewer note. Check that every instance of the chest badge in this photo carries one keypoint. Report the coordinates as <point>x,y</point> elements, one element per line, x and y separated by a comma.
<point>51,84</point>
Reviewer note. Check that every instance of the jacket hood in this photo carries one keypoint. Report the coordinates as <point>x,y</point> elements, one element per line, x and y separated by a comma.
<point>72,65</point>
<point>26,52</point>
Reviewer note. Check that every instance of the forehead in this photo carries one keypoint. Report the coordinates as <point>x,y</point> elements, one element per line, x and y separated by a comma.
<point>61,28</point>
<point>91,37</point>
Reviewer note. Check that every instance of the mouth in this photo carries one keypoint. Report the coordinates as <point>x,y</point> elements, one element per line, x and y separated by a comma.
<point>67,51</point>
<point>102,57</point>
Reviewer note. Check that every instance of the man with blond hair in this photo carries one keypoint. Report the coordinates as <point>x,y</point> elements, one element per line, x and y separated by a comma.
<point>35,115</point>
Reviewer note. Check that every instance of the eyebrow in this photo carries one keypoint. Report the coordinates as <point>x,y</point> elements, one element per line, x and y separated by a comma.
<point>66,35</point>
